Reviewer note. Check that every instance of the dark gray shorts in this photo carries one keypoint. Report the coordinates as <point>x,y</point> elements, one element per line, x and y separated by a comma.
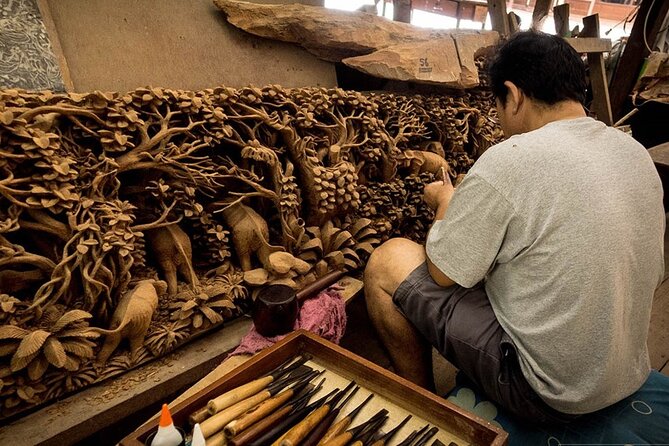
<point>460,323</point>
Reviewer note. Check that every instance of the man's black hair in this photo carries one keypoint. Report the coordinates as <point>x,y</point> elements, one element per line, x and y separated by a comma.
<point>545,67</point>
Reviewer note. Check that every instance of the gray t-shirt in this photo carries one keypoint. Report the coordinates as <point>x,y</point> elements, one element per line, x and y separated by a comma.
<point>565,225</point>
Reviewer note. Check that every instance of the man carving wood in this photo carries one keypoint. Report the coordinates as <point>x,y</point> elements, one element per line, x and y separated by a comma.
<point>537,276</point>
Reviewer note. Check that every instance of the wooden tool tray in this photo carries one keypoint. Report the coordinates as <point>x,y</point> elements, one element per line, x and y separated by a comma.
<point>396,394</point>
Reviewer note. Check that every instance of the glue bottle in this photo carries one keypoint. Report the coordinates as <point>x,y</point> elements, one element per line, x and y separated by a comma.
<point>198,438</point>
<point>167,434</point>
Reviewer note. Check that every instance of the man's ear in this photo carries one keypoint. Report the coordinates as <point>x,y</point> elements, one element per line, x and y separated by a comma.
<point>514,97</point>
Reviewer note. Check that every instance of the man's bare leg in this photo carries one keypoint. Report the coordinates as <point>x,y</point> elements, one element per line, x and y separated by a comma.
<point>388,266</point>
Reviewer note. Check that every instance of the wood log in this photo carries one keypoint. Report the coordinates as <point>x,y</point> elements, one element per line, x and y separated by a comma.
<point>329,34</point>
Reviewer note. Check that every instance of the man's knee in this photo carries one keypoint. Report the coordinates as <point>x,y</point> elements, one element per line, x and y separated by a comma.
<point>391,263</point>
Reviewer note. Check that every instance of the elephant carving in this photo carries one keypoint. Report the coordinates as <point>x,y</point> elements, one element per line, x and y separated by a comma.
<point>131,319</point>
<point>419,161</point>
<point>172,249</point>
<point>250,234</point>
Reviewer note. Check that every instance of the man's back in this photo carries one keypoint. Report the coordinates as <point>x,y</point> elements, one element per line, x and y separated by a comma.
<point>573,280</point>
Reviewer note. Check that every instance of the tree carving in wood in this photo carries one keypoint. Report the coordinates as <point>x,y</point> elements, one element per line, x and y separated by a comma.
<point>103,196</point>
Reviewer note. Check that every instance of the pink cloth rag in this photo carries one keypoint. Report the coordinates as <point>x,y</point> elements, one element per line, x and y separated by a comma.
<point>324,315</point>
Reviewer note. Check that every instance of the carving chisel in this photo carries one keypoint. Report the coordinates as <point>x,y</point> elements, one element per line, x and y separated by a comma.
<point>385,438</point>
<point>300,431</point>
<point>353,433</point>
<point>263,426</point>
<point>343,424</point>
<point>266,407</point>
<point>317,434</point>
<point>292,419</point>
<point>217,421</point>
<point>244,391</point>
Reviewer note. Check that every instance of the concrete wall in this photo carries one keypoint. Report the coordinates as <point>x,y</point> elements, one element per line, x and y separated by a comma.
<point>183,44</point>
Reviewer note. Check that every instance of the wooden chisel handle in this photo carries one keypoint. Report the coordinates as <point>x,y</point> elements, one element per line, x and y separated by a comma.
<point>216,440</point>
<point>258,413</point>
<point>319,284</point>
<point>336,429</point>
<point>237,394</point>
<point>260,427</point>
<point>340,440</point>
<point>216,422</point>
<point>357,443</point>
<point>302,429</point>
<point>199,416</point>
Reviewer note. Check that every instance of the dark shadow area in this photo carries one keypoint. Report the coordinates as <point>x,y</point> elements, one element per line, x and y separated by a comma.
<point>649,124</point>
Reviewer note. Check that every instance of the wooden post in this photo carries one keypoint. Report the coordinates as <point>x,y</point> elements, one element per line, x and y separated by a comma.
<point>561,17</point>
<point>590,26</point>
<point>541,9</point>
<point>600,88</point>
<point>402,11</point>
<point>514,22</point>
<point>498,17</point>
<point>635,51</point>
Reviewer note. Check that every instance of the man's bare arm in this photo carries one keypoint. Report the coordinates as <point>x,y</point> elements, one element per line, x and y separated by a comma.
<point>438,196</point>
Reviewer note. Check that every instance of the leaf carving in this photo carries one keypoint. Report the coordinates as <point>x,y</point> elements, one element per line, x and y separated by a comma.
<point>42,142</point>
<point>25,393</point>
<point>17,363</point>
<point>71,364</point>
<point>341,238</point>
<point>81,348</point>
<point>37,368</point>
<point>28,348</point>
<point>54,352</point>
<point>223,303</point>
<point>68,318</point>
<point>314,243</point>
<point>197,321</point>
<point>12,332</point>
<point>6,117</point>
<point>213,316</point>
<point>360,224</point>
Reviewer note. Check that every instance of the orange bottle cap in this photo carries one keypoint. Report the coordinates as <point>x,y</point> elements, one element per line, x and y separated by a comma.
<point>165,417</point>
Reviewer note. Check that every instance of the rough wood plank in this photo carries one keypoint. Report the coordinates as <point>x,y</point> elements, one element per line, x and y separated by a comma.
<point>589,44</point>
<point>329,34</point>
<point>590,26</point>
<point>434,62</point>
<point>561,18</point>
<point>352,288</point>
<point>498,17</point>
<point>448,62</point>
<point>79,416</point>
<point>514,22</point>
